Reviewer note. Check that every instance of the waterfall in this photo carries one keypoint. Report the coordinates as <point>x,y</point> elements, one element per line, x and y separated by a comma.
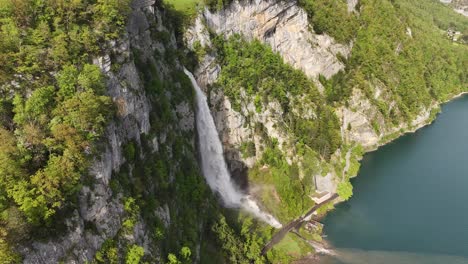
<point>214,166</point>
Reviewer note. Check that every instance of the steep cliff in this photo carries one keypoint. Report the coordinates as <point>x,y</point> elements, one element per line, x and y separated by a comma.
<point>297,100</point>
<point>374,112</point>
<point>125,205</point>
<point>460,6</point>
<point>284,26</point>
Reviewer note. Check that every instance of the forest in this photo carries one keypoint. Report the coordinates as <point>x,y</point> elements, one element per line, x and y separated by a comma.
<point>54,109</point>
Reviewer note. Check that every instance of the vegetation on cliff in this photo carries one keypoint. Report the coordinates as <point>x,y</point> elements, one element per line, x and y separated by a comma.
<point>52,106</point>
<point>401,60</point>
<point>53,113</point>
<point>400,45</point>
<point>254,69</point>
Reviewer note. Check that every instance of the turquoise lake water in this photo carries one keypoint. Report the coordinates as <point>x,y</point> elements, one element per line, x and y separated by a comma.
<point>410,202</point>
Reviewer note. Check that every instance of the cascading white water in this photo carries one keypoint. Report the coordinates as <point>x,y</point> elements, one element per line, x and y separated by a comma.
<point>213,164</point>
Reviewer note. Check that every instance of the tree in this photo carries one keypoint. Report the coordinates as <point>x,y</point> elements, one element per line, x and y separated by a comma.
<point>231,244</point>
<point>345,190</point>
<point>6,252</point>
<point>6,114</point>
<point>59,52</point>
<point>49,187</point>
<point>9,36</point>
<point>67,80</point>
<point>185,253</point>
<point>134,254</point>
<point>85,112</point>
<point>108,253</point>
<point>110,15</point>
<point>11,170</point>
<point>332,17</point>
<point>172,259</point>
<point>66,137</point>
<point>52,99</point>
<point>39,105</point>
<point>40,35</point>
<point>91,79</point>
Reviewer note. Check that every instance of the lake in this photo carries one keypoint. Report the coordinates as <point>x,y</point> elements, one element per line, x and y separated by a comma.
<point>410,202</point>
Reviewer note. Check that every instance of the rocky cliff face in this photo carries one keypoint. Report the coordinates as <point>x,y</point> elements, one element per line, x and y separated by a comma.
<point>284,26</point>
<point>352,4</point>
<point>460,6</point>
<point>99,206</point>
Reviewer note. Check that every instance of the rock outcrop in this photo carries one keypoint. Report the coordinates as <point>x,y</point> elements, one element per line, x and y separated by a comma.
<point>98,206</point>
<point>460,6</point>
<point>284,26</point>
<point>352,5</point>
<point>281,24</point>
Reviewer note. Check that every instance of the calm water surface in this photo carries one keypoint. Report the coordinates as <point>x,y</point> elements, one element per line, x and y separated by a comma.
<point>410,202</point>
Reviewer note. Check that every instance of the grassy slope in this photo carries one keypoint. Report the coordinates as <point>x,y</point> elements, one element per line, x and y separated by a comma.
<point>187,7</point>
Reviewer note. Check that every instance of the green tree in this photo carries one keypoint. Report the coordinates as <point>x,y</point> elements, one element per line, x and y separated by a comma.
<point>108,253</point>
<point>345,190</point>
<point>186,253</point>
<point>332,17</point>
<point>67,80</point>
<point>39,105</point>
<point>134,254</point>
<point>110,16</point>
<point>60,53</point>
<point>11,170</point>
<point>91,79</point>
<point>231,244</point>
<point>9,35</point>
<point>172,259</point>
<point>6,114</point>
<point>7,255</point>
<point>86,112</point>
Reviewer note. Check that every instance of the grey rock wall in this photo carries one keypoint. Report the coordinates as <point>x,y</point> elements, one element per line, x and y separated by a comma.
<point>98,206</point>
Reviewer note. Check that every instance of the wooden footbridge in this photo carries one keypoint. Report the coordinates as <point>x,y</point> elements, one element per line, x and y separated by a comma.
<point>295,224</point>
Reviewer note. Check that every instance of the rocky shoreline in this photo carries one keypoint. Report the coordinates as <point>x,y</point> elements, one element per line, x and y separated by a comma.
<point>316,258</point>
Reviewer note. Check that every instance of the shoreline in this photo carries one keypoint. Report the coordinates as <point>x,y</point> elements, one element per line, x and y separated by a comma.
<point>316,259</point>
<point>416,128</point>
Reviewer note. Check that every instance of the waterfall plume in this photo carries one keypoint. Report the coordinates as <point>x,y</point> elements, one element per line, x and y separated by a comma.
<point>214,166</point>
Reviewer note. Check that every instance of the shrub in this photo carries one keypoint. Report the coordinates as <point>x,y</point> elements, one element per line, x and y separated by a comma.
<point>134,254</point>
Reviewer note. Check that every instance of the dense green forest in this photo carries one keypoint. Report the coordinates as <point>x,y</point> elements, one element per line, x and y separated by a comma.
<point>54,111</point>
<point>52,104</point>
<point>400,44</point>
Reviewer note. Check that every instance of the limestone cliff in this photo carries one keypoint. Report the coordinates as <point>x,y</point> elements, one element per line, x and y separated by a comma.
<point>150,143</point>
<point>100,213</point>
<point>460,6</point>
<point>284,26</point>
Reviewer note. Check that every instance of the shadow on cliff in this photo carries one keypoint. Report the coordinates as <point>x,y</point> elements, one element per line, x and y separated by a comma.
<point>239,171</point>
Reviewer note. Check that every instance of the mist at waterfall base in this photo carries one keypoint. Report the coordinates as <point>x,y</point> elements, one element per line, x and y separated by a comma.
<point>214,166</point>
